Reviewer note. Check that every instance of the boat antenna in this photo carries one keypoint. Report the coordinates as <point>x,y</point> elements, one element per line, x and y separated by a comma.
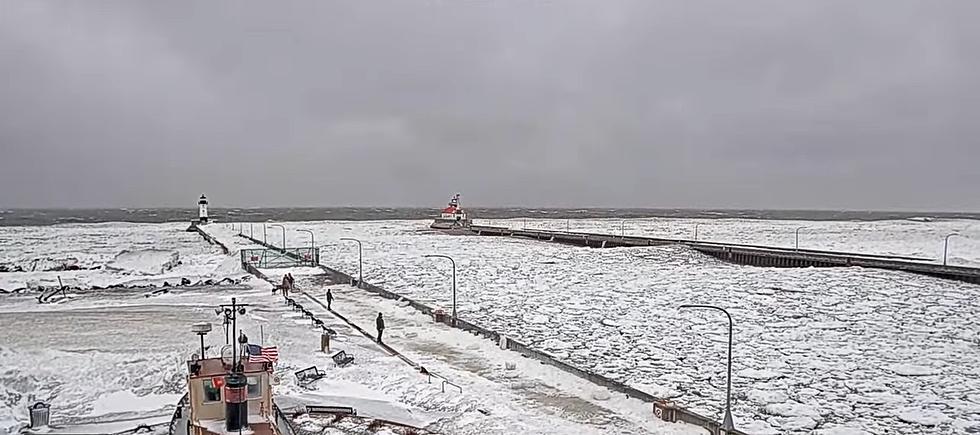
<point>231,312</point>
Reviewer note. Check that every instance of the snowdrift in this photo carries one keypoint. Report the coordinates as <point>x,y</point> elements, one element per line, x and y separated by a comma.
<point>145,262</point>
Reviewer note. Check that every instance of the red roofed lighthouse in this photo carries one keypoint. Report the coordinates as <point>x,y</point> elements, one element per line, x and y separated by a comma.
<point>452,217</point>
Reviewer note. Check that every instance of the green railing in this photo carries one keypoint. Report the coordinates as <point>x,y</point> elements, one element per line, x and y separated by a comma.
<point>278,258</point>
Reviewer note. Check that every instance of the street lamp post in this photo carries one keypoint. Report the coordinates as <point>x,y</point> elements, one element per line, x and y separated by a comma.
<point>283,234</point>
<point>568,225</point>
<point>251,230</point>
<point>312,246</point>
<point>696,231</point>
<point>622,229</point>
<point>727,424</point>
<point>798,237</point>
<point>946,246</point>
<point>360,259</point>
<point>454,280</point>
<point>265,233</point>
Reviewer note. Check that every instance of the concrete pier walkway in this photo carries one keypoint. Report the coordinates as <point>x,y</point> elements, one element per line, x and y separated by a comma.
<point>752,255</point>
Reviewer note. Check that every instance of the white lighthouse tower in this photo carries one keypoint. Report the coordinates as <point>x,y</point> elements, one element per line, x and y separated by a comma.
<point>202,210</point>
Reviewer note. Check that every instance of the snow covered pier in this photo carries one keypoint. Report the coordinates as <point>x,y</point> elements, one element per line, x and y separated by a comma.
<point>662,408</point>
<point>753,255</point>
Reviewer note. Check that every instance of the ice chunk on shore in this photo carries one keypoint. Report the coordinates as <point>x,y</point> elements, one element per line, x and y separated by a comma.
<point>145,262</point>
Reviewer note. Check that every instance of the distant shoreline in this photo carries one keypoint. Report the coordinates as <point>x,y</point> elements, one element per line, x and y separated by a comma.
<point>43,217</point>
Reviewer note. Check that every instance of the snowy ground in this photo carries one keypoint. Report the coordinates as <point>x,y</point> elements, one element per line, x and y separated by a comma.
<point>109,254</point>
<point>531,398</point>
<point>111,354</point>
<point>108,355</point>
<point>816,349</point>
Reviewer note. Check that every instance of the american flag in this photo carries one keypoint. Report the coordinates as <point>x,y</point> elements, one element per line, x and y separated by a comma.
<point>258,353</point>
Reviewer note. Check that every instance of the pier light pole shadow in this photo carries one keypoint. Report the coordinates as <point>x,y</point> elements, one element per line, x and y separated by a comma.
<point>454,279</point>
<point>727,424</point>
<point>360,259</point>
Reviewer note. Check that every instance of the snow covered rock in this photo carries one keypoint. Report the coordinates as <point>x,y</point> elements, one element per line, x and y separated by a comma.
<point>601,395</point>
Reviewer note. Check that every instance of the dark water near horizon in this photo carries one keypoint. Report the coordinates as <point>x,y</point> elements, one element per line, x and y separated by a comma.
<point>20,217</point>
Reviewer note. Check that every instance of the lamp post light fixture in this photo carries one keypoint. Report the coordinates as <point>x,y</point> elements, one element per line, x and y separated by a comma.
<point>360,259</point>
<point>946,246</point>
<point>454,279</point>
<point>798,237</point>
<point>727,424</point>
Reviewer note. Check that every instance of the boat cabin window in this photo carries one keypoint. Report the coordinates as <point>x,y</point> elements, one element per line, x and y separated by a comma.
<point>254,390</point>
<point>212,393</point>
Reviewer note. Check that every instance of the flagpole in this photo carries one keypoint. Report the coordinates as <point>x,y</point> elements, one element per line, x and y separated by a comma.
<point>261,335</point>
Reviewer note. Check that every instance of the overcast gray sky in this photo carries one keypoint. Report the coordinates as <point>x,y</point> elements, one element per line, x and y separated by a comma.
<point>732,104</point>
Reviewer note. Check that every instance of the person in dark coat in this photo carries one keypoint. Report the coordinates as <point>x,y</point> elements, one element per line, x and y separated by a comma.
<point>329,299</point>
<point>381,326</point>
<point>285,286</point>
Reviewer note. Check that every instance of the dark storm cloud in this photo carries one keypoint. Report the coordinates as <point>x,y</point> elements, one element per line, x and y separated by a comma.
<point>818,104</point>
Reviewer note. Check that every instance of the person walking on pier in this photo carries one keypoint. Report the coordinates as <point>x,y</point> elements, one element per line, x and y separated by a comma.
<point>329,299</point>
<point>285,286</point>
<point>381,326</point>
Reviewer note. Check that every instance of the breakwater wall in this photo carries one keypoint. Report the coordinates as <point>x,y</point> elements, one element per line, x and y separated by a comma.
<point>210,239</point>
<point>752,255</point>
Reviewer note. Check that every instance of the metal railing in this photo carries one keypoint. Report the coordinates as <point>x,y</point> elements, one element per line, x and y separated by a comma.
<point>179,414</point>
<point>278,258</point>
